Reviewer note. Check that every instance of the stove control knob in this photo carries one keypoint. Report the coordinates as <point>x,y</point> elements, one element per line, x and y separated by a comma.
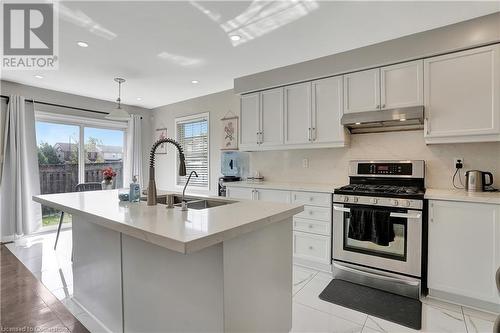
<point>346,199</point>
<point>395,202</point>
<point>407,203</point>
<point>373,200</point>
<point>355,199</point>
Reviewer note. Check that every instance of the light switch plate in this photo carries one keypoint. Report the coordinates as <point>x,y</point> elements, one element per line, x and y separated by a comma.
<point>305,163</point>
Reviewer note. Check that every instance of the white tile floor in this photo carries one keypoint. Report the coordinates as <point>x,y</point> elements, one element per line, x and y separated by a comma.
<point>310,314</point>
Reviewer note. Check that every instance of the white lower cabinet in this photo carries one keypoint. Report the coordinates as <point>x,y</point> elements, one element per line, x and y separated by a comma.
<point>311,247</point>
<point>240,193</point>
<point>311,228</point>
<point>464,252</point>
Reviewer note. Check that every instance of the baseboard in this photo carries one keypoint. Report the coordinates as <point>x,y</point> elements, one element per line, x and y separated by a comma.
<point>465,301</point>
<point>313,265</point>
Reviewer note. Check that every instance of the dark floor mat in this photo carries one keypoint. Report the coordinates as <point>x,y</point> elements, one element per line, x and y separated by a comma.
<point>398,309</point>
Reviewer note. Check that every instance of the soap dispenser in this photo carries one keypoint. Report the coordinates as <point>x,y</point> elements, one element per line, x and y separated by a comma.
<point>135,190</point>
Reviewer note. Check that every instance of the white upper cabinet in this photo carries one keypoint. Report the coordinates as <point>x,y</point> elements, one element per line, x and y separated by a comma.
<point>362,91</point>
<point>402,85</point>
<point>327,110</point>
<point>464,249</point>
<point>271,126</point>
<point>249,125</point>
<point>462,96</point>
<point>298,113</point>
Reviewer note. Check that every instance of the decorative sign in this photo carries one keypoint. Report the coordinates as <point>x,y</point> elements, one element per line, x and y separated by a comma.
<point>161,133</point>
<point>230,133</point>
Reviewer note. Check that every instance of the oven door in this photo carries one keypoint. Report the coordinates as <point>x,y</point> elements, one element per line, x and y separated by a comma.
<point>401,255</point>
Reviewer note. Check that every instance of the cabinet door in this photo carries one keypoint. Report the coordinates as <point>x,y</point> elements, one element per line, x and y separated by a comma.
<point>362,91</point>
<point>271,102</point>
<point>464,249</point>
<point>240,192</point>
<point>462,95</point>
<point>298,113</point>
<point>249,127</point>
<point>327,106</point>
<point>402,85</point>
<point>272,195</point>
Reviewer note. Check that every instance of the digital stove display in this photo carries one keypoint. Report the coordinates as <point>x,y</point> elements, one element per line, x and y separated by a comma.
<point>398,169</point>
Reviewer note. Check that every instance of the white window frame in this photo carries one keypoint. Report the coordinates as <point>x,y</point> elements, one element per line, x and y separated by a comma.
<point>83,122</point>
<point>188,118</point>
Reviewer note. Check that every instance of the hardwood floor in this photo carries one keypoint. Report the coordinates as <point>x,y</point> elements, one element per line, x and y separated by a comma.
<point>26,304</point>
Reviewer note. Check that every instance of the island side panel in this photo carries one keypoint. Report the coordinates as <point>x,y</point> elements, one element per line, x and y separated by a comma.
<point>258,280</point>
<point>166,291</point>
<point>97,271</point>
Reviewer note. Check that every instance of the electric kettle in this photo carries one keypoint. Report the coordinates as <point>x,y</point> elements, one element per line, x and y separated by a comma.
<point>475,180</point>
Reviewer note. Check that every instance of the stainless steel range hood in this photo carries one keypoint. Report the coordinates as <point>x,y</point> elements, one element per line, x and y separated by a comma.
<point>402,119</point>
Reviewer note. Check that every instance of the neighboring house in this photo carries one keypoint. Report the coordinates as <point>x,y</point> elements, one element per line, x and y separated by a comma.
<point>64,149</point>
<point>104,152</point>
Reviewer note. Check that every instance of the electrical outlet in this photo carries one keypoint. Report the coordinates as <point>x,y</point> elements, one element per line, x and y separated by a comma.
<point>305,163</point>
<point>458,163</point>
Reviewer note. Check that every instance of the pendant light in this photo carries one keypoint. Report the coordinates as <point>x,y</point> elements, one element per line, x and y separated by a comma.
<point>118,113</point>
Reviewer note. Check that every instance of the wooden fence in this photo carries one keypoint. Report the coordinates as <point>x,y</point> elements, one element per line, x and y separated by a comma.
<point>61,178</point>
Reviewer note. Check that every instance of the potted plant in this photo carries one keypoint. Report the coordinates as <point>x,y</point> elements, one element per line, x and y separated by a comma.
<point>108,174</point>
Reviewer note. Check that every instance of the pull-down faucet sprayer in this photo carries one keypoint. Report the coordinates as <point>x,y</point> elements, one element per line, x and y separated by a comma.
<point>152,183</point>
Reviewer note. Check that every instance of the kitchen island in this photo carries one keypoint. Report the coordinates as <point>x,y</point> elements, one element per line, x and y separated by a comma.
<point>139,268</point>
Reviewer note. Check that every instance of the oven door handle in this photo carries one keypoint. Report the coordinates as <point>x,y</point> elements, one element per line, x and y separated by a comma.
<point>407,216</point>
<point>341,209</point>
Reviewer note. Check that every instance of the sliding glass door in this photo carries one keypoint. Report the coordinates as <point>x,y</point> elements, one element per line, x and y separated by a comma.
<point>104,148</point>
<point>58,146</point>
<point>73,150</point>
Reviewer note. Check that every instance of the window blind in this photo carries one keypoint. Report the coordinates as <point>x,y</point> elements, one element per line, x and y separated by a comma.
<point>192,134</point>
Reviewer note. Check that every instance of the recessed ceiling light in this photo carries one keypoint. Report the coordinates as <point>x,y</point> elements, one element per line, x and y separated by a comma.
<point>235,38</point>
<point>139,98</point>
<point>82,44</point>
<point>195,81</point>
<point>358,123</point>
<point>402,119</point>
<point>39,76</point>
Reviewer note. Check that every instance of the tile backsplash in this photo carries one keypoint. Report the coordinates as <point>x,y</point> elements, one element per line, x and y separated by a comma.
<point>330,165</point>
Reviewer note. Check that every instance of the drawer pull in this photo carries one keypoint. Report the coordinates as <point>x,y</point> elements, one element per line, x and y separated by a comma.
<point>310,247</point>
<point>311,198</point>
<point>311,212</point>
<point>310,226</point>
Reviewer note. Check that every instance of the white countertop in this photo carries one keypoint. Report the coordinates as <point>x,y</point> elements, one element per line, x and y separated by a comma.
<point>462,195</point>
<point>287,186</point>
<point>181,231</point>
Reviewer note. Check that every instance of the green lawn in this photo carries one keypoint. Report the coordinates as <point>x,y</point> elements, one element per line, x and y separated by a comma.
<point>54,219</point>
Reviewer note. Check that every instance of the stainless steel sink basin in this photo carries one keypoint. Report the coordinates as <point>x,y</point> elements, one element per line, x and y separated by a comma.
<point>177,199</point>
<point>204,204</point>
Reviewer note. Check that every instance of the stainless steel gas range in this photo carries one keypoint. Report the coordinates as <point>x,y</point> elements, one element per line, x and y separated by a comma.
<point>378,226</point>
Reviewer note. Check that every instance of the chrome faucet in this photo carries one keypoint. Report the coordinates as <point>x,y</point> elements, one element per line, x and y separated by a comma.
<point>184,204</point>
<point>152,183</point>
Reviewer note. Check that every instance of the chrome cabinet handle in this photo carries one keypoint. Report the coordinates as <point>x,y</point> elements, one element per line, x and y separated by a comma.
<point>313,134</point>
<point>310,247</point>
<point>427,126</point>
<point>407,216</point>
<point>309,134</point>
<point>383,106</point>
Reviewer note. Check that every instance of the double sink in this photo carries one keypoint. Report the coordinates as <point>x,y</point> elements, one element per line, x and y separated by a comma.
<point>194,202</point>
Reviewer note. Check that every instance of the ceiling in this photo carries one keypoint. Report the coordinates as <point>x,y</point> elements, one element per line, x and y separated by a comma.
<point>160,47</point>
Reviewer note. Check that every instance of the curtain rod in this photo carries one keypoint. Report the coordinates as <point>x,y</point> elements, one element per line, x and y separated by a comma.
<point>59,105</point>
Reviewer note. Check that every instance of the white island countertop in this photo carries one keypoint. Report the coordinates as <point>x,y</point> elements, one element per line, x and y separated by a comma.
<point>462,195</point>
<point>181,231</point>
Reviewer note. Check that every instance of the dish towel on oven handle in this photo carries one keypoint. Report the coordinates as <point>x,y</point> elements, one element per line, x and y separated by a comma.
<point>374,225</point>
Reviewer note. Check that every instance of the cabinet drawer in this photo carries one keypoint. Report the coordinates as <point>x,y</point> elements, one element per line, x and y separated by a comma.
<point>311,247</point>
<point>312,199</point>
<point>312,226</point>
<point>316,213</point>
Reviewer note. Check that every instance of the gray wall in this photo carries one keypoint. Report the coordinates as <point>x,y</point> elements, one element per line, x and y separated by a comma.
<point>217,105</point>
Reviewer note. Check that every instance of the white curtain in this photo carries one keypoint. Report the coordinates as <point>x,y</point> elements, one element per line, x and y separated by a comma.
<point>133,162</point>
<point>19,214</point>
